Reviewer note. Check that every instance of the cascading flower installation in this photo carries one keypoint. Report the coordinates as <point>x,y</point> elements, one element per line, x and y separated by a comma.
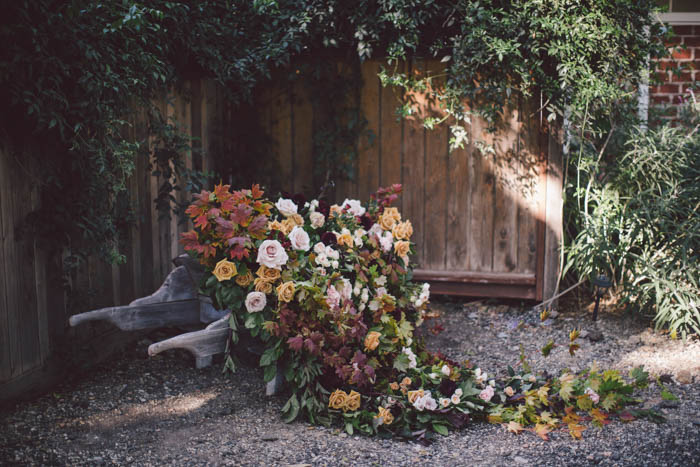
<point>327,289</point>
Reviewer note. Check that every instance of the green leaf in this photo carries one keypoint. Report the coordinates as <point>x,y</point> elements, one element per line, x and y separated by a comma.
<point>291,409</point>
<point>440,429</point>
<point>269,356</point>
<point>401,362</point>
<point>349,428</point>
<point>668,395</point>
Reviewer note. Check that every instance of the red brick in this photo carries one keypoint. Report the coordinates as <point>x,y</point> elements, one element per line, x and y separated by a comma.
<point>694,86</point>
<point>667,65</point>
<point>662,77</point>
<point>683,30</point>
<point>664,89</point>
<point>681,77</point>
<point>660,99</point>
<point>675,40</point>
<point>693,41</point>
<point>682,54</point>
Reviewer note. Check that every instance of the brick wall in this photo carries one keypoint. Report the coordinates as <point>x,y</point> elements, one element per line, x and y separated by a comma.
<point>677,75</point>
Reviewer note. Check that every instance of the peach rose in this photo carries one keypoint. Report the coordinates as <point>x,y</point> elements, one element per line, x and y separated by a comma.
<point>344,239</point>
<point>353,402</point>
<point>402,247</point>
<point>338,399</point>
<point>372,340</point>
<point>297,219</point>
<point>224,270</point>
<point>386,221</point>
<point>415,395</point>
<point>385,415</point>
<point>335,210</point>
<point>394,386</point>
<point>402,230</point>
<point>509,391</point>
<point>263,285</point>
<point>287,225</point>
<point>285,291</point>
<point>393,212</point>
<point>275,225</point>
<point>269,274</point>
<point>245,279</point>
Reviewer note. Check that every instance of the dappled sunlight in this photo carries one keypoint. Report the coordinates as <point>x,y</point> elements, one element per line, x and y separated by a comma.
<point>136,413</point>
<point>661,355</point>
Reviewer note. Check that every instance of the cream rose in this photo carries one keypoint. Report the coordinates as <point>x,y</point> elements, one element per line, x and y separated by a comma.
<point>386,222</point>
<point>393,213</point>
<point>285,292</point>
<point>263,285</point>
<point>354,207</point>
<point>317,220</point>
<point>268,274</point>
<point>486,394</point>
<point>255,301</point>
<point>271,254</point>
<point>224,270</point>
<point>286,207</point>
<point>509,391</point>
<point>244,279</point>
<point>300,239</point>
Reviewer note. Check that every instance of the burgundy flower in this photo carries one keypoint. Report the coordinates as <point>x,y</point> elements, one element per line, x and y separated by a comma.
<point>366,221</point>
<point>323,207</point>
<point>447,387</point>
<point>299,199</point>
<point>328,239</point>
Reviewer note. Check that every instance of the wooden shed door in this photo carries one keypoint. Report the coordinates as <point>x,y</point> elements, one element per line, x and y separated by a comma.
<point>478,216</point>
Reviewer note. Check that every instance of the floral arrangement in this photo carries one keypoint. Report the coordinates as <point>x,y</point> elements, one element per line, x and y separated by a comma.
<point>327,289</point>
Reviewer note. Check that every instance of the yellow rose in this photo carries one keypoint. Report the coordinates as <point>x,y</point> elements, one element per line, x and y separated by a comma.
<point>394,386</point>
<point>402,247</point>
<point>287,225</point>
<point>297,219</point>
<point>415,395</point>
<point>394,213</point>
<point>336,210</point>
<point>338,399</point>
<point>353,401</point>
<point>385,414</point>
<point>344,239</point>
<point>262,285</point>
<point>285,292</point>
<point>244,279</point>
<point>224,270</point>
<point>372,340</point>
<point>269,274</point>
<point>275,225</point>
<point>402,230</point>
<point>386,222</point>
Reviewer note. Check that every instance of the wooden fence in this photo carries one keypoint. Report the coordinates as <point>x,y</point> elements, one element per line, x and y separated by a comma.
<point>486,224</point>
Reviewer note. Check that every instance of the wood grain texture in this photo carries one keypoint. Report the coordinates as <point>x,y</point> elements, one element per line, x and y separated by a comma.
<point>303,141</point>
<point>436,177</point>
<point>6,244</point>
<point>413,169</point>
<point>368,154</point>
<point>505,218</point>
<point>553,213</point>
<point>390,143</point>
<point>480,245</point>
<point>527,184</point>
<point>458,207</point>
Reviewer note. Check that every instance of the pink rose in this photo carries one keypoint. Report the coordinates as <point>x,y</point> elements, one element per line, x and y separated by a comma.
<point>271,254</point>
<point>317,220</point>
<point>354,207</point>
<point>255,301</point>
<point>299,239</point>
<point>333,297</point>
<point>286,207</point>
<point>486,394</point>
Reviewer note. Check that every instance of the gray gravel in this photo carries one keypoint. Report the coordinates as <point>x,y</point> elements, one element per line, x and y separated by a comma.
<point>162,411</point>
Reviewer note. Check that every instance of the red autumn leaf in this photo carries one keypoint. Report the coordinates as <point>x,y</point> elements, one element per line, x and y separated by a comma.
<point>228,204</point>
<point>241,214</point>
<point>625,416</point>
<point>258,225</point>
<point>238,247</point>
<point>222,192</point>
<point>575,430</point>
<point>311,347</point>
<point>201,221</point>
<point>295,343</point>
<point>256,192</point>
<point>224,228</point>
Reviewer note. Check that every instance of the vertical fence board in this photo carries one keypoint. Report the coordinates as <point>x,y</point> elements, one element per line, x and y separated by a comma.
<point>281,133</point>
<point>368,157</point>
<point>527,231</point>
<point>413,170</point>
<point>436,175</point>
<point>5,244</point>
<point>10,263</point>
<point>459,200</point>
<point>481,221</point>
<point>303,140</point>
<point>391,134</point>
<point>505,231</point>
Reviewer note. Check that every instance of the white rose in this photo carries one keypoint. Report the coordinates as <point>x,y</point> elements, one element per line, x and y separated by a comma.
<point>346,290</point>
<point>255,301</point>
<point>419,404</point>
<point>445,370</point>
<point>455,399</point>
<point>458,391</point>
<point>430,403</point>
<point>354,207</point>
<point>319,248</point>
<point>444,402</point>
<point>300,239</point>
<point>286,207</point>
<point>380,281</point>
<point>271,254</point>
<point>317,219</point>
<point>376,229</point>
<point>386,242</point>
<point>381,291</point>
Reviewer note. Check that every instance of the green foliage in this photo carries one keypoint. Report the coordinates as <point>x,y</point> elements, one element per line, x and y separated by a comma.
<point>639,222</point>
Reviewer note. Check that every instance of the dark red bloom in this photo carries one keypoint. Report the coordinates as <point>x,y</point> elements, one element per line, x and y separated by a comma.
<point>328,239</point>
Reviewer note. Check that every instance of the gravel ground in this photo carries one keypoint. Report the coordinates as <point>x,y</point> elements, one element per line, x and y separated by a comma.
<point>161,411</point>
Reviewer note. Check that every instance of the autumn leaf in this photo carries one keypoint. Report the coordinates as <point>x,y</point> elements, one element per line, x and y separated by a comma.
<point>573,335</point>
<point>571,416</point>
<point>600,418</point>
<point>542,394</point>
<point>547,349</point>
<point>573,348</point>
<point>546,417</point>
<point>495,419</point>
<point>295,343</point>
<point>542,430</point>
<point>609,402</point>
<point>514,427</point>
<point>625,416</point>
<point>567,386</point>
<point>201,221</point>
<point>241,214</point>
<point>576,429</point>
<point>543,316</point>
<point>256,192</point>
<point>222,192</point>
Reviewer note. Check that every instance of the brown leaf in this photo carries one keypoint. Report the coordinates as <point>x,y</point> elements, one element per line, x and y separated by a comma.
<point>514,427</point>
<point>542,430</point>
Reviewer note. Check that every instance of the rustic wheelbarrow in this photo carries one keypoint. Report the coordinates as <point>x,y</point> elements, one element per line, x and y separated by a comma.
<point>177,304</point>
